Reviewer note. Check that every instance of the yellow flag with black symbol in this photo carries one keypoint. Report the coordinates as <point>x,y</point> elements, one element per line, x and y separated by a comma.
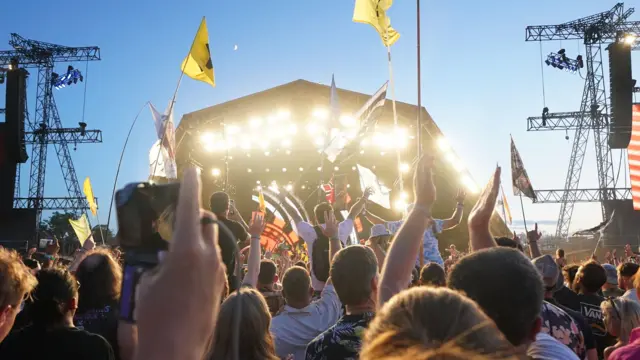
<point>88,192</point>
<point>197,65</point>
<point>373,12</point>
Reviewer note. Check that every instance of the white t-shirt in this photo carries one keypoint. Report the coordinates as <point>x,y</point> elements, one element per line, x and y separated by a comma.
<point>431,251</point>
<point>631,294</point>
<point>548,348</point>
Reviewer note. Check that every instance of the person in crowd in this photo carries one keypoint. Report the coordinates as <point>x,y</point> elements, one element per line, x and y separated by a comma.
<point>98,298</point>
<point>504,241</point>
<point>33,265</point>
<point>567,328</point>
<point>16,282</point>
<point>303,319</point>
<point>378,242</point>
<point>228,240</point>
<point>569,274</point>
<point>565,296</point>
<point>247,338</point>
<point>433,275</point>
<point>354,273</point>
<point>318,250</point>
<point>425,323</point>
<point>626,277</point>
<point>431,252</point>
<point>589,279</point>
<point>631,351</point>
<point>266,286</point>
<point>560,259</point>
<point>610,288</point>
<point>52,333</point>
<point>621,316</point>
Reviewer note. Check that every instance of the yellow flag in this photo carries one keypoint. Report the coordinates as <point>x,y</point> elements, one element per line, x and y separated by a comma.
<point>261,205</point>
<point>88,192</point>
<point>197,65</point>
<point>81,228</point>
<point>507,210</point>
<point>373,12</point>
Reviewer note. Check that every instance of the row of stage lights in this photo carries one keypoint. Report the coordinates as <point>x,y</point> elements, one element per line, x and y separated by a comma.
<point>560,61</point>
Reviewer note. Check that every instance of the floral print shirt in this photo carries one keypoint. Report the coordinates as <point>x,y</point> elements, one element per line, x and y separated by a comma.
<point>562,327</point>
<point>341,341</point>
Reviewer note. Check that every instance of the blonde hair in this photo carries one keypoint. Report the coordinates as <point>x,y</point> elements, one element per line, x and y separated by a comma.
<point>16,279</point>
<point>627,312</point>
<point>433,323</point>
<point>247,310</point>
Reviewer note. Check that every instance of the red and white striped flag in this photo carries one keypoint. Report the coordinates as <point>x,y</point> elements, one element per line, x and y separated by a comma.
<point>329,191</point>
<point>633,152</point>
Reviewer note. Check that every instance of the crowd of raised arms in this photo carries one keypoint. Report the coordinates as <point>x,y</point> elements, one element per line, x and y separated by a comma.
<point>345,301</point>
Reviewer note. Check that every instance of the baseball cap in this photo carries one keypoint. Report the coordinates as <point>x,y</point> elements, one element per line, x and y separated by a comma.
<point>379,230</point>
<point>612,273</point>
<point>549,270</point>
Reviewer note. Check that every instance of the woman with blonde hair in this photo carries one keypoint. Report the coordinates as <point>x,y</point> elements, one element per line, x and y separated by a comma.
<point>242,330</point>
<point>433,323</point>
<point>620,317</point>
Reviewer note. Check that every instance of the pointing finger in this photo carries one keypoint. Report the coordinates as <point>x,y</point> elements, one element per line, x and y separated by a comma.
<point>188,211</point>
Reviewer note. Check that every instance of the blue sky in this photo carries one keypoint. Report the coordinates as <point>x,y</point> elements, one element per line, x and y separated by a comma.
<point>480,78</point>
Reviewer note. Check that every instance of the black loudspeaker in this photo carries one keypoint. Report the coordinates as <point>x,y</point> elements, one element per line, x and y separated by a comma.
<point>15,113</point>
<point>7,172</point>
<point>621,95</point>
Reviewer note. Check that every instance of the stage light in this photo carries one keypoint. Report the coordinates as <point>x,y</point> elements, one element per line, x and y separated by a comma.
<point>348,186</point>
<point>312,128</point>
<point>246,145</point>
<point>382,153</point>
<point>400,205</point>
<point>284,169</point>
<point>206,138</point>
<point>303,187</point>
<point>320,113</point>
<point>248,170</point>
<point>348,121</point>
<point>443,144</point>
<point>257,181</point>
<point>361,152</point>
<point>258,188</point>
<point>264,145</point>
<point>209,147</point>
<point>284,114</point>
<point>288,152</point>
<point>71,77</point>
<point>562,62</point>
<point>335,168</point>
<point>319,168</point>
<point>274,186</point>
<point>301,168</point>
<point>404,167</point>
<point>629,39</point>
<point>469,184</point>
<point>288,187</point>
<point>266,153</point>
<point>285,143</point>
<point>267,169</point>
<point>215,172</point>
<point>255,122</point>
<point>364,142</point>
<point>293,129</point>
<point>353,168</point>
<point>232,129</point>
<point>319,141</point>
<point>404,195</point>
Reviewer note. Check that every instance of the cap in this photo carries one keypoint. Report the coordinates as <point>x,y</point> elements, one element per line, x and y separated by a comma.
<point>612,274</point>
<point>379,230</point>
<point>549,270</point>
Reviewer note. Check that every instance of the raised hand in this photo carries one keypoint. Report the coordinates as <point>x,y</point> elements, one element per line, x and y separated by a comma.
<point>461,196</point>
<point>534,235</point>
<point>482,211</point>
<point>257,224</point>
<point>331,225</point>
<point>423,187</point>
<point>367,192</point>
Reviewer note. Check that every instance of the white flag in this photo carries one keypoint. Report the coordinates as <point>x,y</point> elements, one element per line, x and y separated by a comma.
<point>160,164</point>
<point>381,193</point>
<point>165,130</point>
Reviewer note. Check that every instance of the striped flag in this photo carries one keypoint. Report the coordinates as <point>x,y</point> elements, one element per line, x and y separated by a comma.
<point>329,191</point>
<point>368,116</point>
<point>633,152</point>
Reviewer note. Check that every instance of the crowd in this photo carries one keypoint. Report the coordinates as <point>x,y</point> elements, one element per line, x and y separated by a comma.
<point>393,297</point>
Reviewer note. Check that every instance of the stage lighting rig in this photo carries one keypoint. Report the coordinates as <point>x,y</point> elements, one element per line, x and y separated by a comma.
<point>560,61</point>
<point>71,77</point>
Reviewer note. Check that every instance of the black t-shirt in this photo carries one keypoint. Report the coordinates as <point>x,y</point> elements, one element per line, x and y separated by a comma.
<point>590,309</point>
<point>37,343</point>
<point>567,297</point>
<point>103,321</point>
<point>229,246</point>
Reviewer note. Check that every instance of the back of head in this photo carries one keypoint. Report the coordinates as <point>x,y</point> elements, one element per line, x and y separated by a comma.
<point>628,269</point>
<point>569,273</point>
<point>52,296</point>
<point>296,283</point>
<point>354,274</point>
<point>590,277</point>
<point>508,242</point>
<point>267,273</point>
<point>432,274</point>
<point>560,253</point>
<point>101,279</point>
<point>625,312</point>
<point>219,203</point>
<point>319,211</point>
<point>15,279</point>
<point>249,334</point>
<point>505,285</point>
<point>428,323</point>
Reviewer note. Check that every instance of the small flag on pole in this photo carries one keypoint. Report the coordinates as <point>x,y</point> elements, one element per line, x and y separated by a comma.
<point>633,153</point>
<point>261,204</point>
<point>81,228</point>
<point>520,179</point>
<point>381,193</point>
<point>505,207</point>
<point>329,191</point>
<point>165,130</point>
<point>88,192</point>
<point>373,12</point>
<point>198,65</point>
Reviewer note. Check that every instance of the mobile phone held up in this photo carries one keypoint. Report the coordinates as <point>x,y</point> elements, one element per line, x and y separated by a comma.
<point>146,218</point>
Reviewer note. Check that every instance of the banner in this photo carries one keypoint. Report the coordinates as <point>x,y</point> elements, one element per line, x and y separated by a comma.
<point>381,194</point>
<point>520,179</point>
<point>81,228</point>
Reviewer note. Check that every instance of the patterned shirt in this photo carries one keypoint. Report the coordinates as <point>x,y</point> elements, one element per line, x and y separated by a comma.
<point>562,327</point>
<point>341,341</point>
<point>431,252</point>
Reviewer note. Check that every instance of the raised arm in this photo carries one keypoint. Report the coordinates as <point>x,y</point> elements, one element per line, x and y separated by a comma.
<point>374,219</point>
<point>253,265</point>
<point>357,208</point>
<point>533,236</point>
<point>480,216</point>
<point>455,219</point>
<point>400,260</point>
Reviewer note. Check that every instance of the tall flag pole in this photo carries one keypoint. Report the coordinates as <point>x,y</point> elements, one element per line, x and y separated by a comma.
<point>419,120</point>
<point>520,180</point>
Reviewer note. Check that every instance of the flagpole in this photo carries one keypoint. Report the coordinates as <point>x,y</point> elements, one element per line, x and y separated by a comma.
<point>395,114</point>
<point>419,120</point>
<point>523,216</point>
<point>126,141</point>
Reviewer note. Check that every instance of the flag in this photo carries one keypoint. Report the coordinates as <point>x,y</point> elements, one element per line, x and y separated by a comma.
<point>520,179</point>
<point>329,192</point>
<point>165,130</point>
<point>81,228</point>
<point>197,65</point>
<point>633,153</point>
<point>597,229</point>
<point>88,192</point>
<point>368,116</point>
<point>373,12</point>
<point>261,204</point>
<point>505,207</point>
<point>159,166</point>
<point>381,193</point>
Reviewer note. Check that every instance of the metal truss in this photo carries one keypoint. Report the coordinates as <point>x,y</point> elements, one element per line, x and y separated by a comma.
<point>32,53</point>
<point>65,135</point>
<point>580,195</point>
<point>593,114</point>
<point>59,203</point>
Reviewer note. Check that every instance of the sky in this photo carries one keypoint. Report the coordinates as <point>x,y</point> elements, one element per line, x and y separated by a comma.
<point>480,79</point>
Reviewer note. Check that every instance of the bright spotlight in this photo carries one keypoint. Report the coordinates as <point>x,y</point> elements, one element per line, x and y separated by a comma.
<point>206,138</point>
<point>266,153</point>
<point>335,168</point>
<point>232,129</point>
<point>400,205</point>
<point>301,168</point>
<point>319,141</point>
<point>288,152</point>
<point>353,168</point>
<point>273,186</point>
<point>404,195</point>
<point>629,39</point>
<point>246,145</point>
<point>404,167</point>
<point>443,144</point>
<point>348,186</point>
<point>361,152</point>
<point>248,170</point>
<point>469,184</point>
<point>264,145</point>
<point>284,114</point>
<point>312,128</point>
<point>258,188</point>
<point>319,168</point>
<point>293,129</point>
<point>284,169</point>
<point>258,182</point>
<point>303,187</point>
<point>215,172</point>
<point>347,121</point>
<point>209,147</point>
<point>285,143</point>
<point>320,113</point>
<point>255,122</point>
<point>288,187</point>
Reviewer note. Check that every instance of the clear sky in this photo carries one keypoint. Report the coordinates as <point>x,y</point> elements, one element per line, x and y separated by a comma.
<point>480,78</point>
